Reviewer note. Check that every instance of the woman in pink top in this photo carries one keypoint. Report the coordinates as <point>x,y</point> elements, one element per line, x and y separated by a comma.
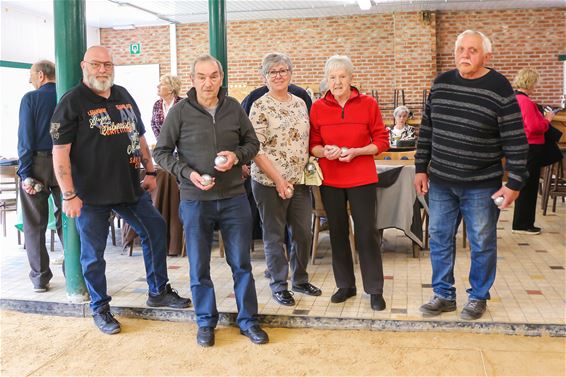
<point>535,126</point>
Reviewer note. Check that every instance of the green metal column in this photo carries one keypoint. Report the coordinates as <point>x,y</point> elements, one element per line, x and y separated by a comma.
<point>217,34</point>
<point>70,46</point>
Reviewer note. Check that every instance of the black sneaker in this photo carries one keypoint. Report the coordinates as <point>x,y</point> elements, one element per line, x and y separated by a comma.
<point>284,297</point>
<point>377,302</point>
<point>205,336</point>
<point>437,305</point>
<point>170,298</point>
<point>41,288</point>
<point>474,309</point>
<point>342,294</point>
<point>256,334</point>
<point>106,322</point>
<point>308,289</point>
<point>532,231</point>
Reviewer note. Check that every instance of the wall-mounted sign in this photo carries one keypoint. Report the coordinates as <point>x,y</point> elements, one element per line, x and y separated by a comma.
<point>135,48</point>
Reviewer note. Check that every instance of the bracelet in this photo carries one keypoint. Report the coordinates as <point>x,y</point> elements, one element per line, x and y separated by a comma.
<point>152,173</point>
<point>71,198</point>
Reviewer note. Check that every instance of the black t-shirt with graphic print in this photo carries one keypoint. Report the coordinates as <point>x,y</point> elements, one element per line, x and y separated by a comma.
<point>105,143</point>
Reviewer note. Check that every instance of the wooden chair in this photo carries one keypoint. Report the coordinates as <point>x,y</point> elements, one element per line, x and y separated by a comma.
<point>405,155</point>
<point>9,192</point>
<point>554,185</point>
<point>318,212</point>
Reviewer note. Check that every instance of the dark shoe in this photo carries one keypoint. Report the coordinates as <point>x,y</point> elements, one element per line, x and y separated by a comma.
<point>308,289</point>
<point>437,305</point>
<point>474,309</point>
<point>41,288</point>
<point>106,322</point>
<point>256,334</point>
<point>284,298</point>
<point>377,302</point>
<point>342,294</point>
<point>532,231</point>
<point>169,297</point>
<point>205,336</point>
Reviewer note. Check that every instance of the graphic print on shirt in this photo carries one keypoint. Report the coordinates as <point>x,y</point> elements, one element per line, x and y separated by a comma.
<point>100,118</point>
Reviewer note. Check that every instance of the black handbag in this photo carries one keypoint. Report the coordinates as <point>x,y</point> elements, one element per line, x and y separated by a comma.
<point>551,152</point>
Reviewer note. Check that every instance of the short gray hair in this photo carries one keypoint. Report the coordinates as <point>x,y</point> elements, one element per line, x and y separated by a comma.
<point>206,58</point>
<point>337,62</point>
<point>486,43</point>
<point>173,82</point>
<point>273,58</point>
<point>399,110</point>
<point>45,66</point>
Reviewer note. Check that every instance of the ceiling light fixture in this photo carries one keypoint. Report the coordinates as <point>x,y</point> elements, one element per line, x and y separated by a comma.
<point>123,27</point>
<point>364,4</point>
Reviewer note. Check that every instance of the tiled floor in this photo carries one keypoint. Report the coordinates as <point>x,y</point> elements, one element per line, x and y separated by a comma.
<point>529,289</point>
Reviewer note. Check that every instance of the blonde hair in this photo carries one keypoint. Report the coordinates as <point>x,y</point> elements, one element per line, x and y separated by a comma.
<point>173,82</point>
<point>526,78</point>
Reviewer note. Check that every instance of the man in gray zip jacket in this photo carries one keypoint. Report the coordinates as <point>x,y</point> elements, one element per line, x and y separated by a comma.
<point>212,134</point>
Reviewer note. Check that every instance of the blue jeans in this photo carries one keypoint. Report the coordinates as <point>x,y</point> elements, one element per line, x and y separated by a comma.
<point>234,219</point>
<point>447,205</point>
<point>93,228</point>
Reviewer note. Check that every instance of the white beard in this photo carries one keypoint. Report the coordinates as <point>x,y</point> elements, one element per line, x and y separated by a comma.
<point>94,83</point>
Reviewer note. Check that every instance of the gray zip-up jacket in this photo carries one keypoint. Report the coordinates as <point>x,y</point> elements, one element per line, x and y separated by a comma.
<point>198,137</point>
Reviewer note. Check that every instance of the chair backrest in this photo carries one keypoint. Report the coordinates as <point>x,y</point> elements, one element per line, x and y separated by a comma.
<point>9,182</point>
<point>318,208</point>
<point>405,155</point>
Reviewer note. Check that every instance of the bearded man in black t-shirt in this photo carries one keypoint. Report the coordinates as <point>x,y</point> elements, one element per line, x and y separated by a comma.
<point>99,145</point>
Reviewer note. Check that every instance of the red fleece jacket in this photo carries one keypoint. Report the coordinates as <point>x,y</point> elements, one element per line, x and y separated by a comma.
<point>356,125</point>
<point>535,123</point>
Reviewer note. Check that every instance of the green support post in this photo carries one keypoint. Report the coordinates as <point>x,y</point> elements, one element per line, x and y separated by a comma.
<point>217,34</point>
<point>70,45</point>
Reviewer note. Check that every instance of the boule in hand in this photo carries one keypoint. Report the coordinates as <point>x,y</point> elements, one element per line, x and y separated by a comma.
<point>343,151</point>
<point>220,160</point>
<point>206,180</point>
<point>499,201</point>
<point>289,192</point>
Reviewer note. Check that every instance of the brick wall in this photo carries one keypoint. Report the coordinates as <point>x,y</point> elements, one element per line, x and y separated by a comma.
<point>390,51</point>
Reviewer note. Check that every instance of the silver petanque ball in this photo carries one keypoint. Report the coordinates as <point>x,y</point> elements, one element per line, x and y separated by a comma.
<point>343,150</point>
<point>220,160</point>
<point>310,167</point>
<point>206,180</point>
<point>499,200</point>
<point>289,193</point>
<point>38,187</point>
<point>29,181</point>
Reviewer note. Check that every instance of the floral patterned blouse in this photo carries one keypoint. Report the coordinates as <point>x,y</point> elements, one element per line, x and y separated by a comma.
<point>283,132</point>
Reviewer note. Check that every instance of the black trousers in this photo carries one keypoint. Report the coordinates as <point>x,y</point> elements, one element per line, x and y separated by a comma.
<point>35,211</point>
<point>363,204</point>
<point>526,203</point>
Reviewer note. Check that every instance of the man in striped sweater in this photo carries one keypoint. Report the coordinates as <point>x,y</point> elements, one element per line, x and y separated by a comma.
<point>471,121</point>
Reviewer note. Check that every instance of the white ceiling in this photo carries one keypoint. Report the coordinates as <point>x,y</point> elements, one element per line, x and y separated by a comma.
<point>119,13</point>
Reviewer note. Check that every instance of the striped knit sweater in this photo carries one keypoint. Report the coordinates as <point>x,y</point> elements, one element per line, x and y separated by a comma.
<point>467,127</point>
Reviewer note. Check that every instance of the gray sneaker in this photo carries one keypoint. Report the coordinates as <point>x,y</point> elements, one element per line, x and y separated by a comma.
<point>437,305</point>
<point>474,309</point>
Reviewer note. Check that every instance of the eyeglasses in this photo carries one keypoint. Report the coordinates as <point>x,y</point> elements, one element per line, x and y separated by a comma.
<point>96,65</point>
<point>281,72</point>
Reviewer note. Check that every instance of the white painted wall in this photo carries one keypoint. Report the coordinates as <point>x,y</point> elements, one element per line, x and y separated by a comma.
<point>26,38</point>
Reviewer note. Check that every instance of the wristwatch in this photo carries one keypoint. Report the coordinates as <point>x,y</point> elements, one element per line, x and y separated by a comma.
<point>152,173</point>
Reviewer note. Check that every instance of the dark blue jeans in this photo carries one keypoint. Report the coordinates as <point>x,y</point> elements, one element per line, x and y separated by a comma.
<point>233,217</point>
<point>446,204</point>
<point>93,228</point>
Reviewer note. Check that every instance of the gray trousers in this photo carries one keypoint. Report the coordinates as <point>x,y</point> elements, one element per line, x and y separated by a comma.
<point>35,211</point>
<point>277,214</point>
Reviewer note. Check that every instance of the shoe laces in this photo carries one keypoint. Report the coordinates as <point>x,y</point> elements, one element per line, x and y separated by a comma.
<point>107,316</point>
<point>474,304</point>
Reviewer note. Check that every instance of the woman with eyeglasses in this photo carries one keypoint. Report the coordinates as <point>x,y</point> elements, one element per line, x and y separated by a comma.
<point>346,132</point>
<point>281,122</point>
<point>168,91</point>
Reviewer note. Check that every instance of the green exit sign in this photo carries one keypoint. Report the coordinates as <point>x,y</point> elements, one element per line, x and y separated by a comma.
<point>135,48</point>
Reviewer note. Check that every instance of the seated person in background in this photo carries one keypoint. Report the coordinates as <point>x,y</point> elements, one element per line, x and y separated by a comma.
<point>401,130</point>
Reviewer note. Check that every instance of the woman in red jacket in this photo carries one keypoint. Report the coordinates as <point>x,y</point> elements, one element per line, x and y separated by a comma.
<point>346,132</point>
<point>535,126</point>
